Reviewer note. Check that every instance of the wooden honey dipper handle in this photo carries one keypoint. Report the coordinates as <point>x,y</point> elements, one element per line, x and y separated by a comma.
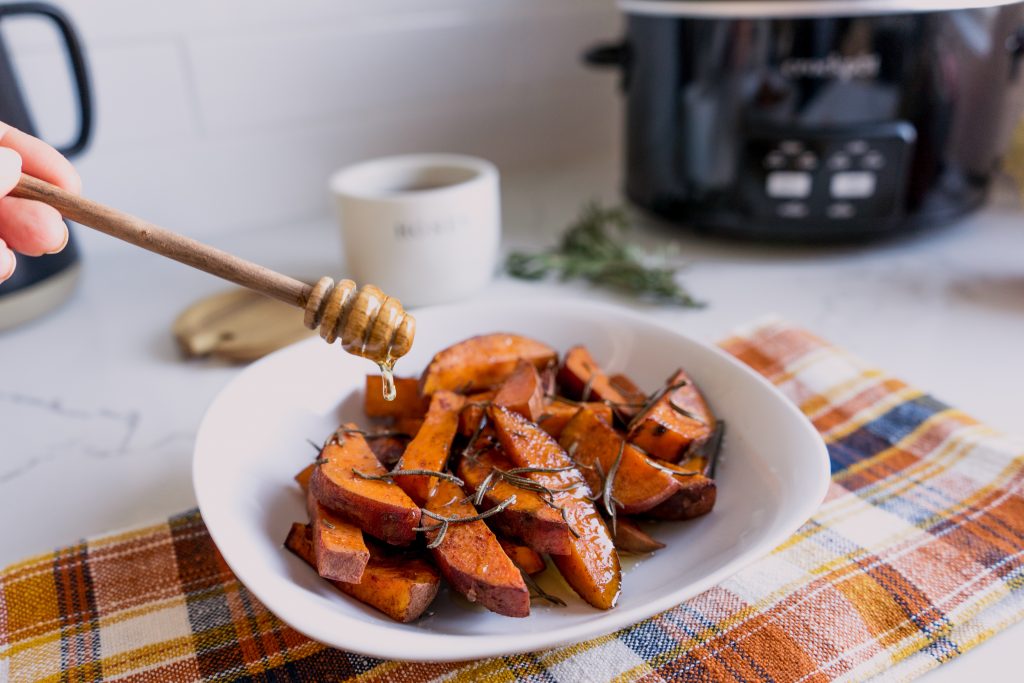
<point>368,322</point>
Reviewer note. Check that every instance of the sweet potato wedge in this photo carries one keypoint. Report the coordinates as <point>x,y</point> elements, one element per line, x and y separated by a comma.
<point>303,477</point>
<point>429,450</point>
<point>630,538</point>
<point>410,426</point>
<point>470,557</point>
<point>592,565</point>
<point>581,378</point>
<point>402,587</point>
<point>529,520</point>
<point>639,483</point>
<point>677,424</point>
<point>523,557</point>
<point>473,412</point>
<point>695,497</point>
<point>338,547</point>
<point>522,392</point>
<point>482,362</point>
<point>557,414</point>
<point>388,449</point>
<point>378,507</point>
<point>407,403</point>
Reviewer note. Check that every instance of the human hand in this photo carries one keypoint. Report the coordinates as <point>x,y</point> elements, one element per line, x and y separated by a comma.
<point>29,227</point>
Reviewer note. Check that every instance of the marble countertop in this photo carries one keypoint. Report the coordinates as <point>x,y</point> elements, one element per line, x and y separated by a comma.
<point>98,411</point>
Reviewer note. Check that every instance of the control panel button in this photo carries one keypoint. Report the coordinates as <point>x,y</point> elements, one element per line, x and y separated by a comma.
<point>873,160</point>
<point>856,147</point>
<point>840,210</point>
<point>852,185</point>
<point>792,210</point>
<point>788,185</point>
<point>807,161</point>
<point>775,159</point>
<point>791,147</point>
<point>839,161</point>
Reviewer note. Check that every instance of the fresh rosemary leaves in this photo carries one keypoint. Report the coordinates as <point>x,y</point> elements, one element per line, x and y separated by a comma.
<point>594,248</point>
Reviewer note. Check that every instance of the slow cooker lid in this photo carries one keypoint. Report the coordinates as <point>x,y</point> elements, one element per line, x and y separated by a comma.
<point>725,9</point>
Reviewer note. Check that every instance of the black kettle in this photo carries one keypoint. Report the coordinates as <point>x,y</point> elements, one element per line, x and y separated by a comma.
<point>41,283</point>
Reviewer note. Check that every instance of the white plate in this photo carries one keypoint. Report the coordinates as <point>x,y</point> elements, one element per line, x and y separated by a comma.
<point>773,474</point>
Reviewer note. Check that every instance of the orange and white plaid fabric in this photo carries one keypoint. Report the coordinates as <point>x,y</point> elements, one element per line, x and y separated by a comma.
<point>916,556</point>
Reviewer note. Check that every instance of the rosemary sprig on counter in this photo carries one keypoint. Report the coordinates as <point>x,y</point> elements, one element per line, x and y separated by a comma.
<point>594,248</point>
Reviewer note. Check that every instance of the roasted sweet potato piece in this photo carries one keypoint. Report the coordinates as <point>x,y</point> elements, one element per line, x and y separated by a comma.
<point>529,520</point>
<point>473,412</point>
<point>634,395</point>
<point>523,557</point>
<point>630,538</point>
<point>470,557</point>
<point>338,545</point>
<point>482,362</point>
<point>401,587</point>
<point>557,414</point>
<point>695,497</point>
<point>407,403</point>
<point>429,450</point>
<point>677,424</point>
<point>378,507</point>
<point>592,565</point>
<point>581,378</point>
<point>410,426</point>
<point>304,476</point>
<point>639,483</point>
<point>388,449</point>
<point>522,392</point>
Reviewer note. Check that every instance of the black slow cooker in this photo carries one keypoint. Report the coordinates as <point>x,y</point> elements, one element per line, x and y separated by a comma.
<point>816,119</point>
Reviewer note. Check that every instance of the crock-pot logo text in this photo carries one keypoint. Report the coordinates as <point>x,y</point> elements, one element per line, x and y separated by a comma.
<point>834,66</point>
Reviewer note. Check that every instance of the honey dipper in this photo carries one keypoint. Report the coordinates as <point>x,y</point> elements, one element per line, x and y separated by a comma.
<point>368,322</point>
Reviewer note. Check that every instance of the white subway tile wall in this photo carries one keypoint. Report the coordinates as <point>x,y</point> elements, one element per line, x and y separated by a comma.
<point>217,115</point>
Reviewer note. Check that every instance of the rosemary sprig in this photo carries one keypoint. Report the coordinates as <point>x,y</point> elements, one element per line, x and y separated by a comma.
<point>683,411</point>
<point>538,592</point>
<point>443,522</point>
<point>321,461</point>
<point>608,490</point>
<point>390,476</point>
<point>712,448</point>
<point>515,477</point>
<point>654,398</point>
<point>316,447</point>
<point>594,248</point>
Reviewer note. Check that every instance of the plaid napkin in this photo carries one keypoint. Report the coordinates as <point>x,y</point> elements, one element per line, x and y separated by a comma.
<point>914,558</point>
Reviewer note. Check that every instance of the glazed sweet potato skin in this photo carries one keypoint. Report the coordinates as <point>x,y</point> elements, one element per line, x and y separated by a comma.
<point>338,547</point>
<point>380,508</point>
<point>630,538</point>
<point>429,450</point>
<point>401,587</point>
<point>407,403</point>
<point>592,565</point>
<point>471,559</point>
<point>639,484</point>
<point>529,520</point>
<point>558,413</point>
<point>696,495</point>
<point>522,392</point>
<point>483,362</point>
<point>677,424</point>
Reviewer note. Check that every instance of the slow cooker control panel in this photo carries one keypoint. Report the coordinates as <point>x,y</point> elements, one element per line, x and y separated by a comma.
<point>826,176</point>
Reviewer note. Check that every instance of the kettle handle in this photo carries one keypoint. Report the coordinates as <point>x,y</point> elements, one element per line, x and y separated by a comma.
<point>77,59</point>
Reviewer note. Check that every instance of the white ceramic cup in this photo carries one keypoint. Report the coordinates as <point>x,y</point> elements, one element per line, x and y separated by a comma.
<point>425,228</point>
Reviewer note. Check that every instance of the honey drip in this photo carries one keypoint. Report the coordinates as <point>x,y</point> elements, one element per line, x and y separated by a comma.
<point>387,374</point>
<point>369,323</point>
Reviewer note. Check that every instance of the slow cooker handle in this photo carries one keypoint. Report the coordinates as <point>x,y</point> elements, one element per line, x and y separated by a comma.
<point>610,55</point>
